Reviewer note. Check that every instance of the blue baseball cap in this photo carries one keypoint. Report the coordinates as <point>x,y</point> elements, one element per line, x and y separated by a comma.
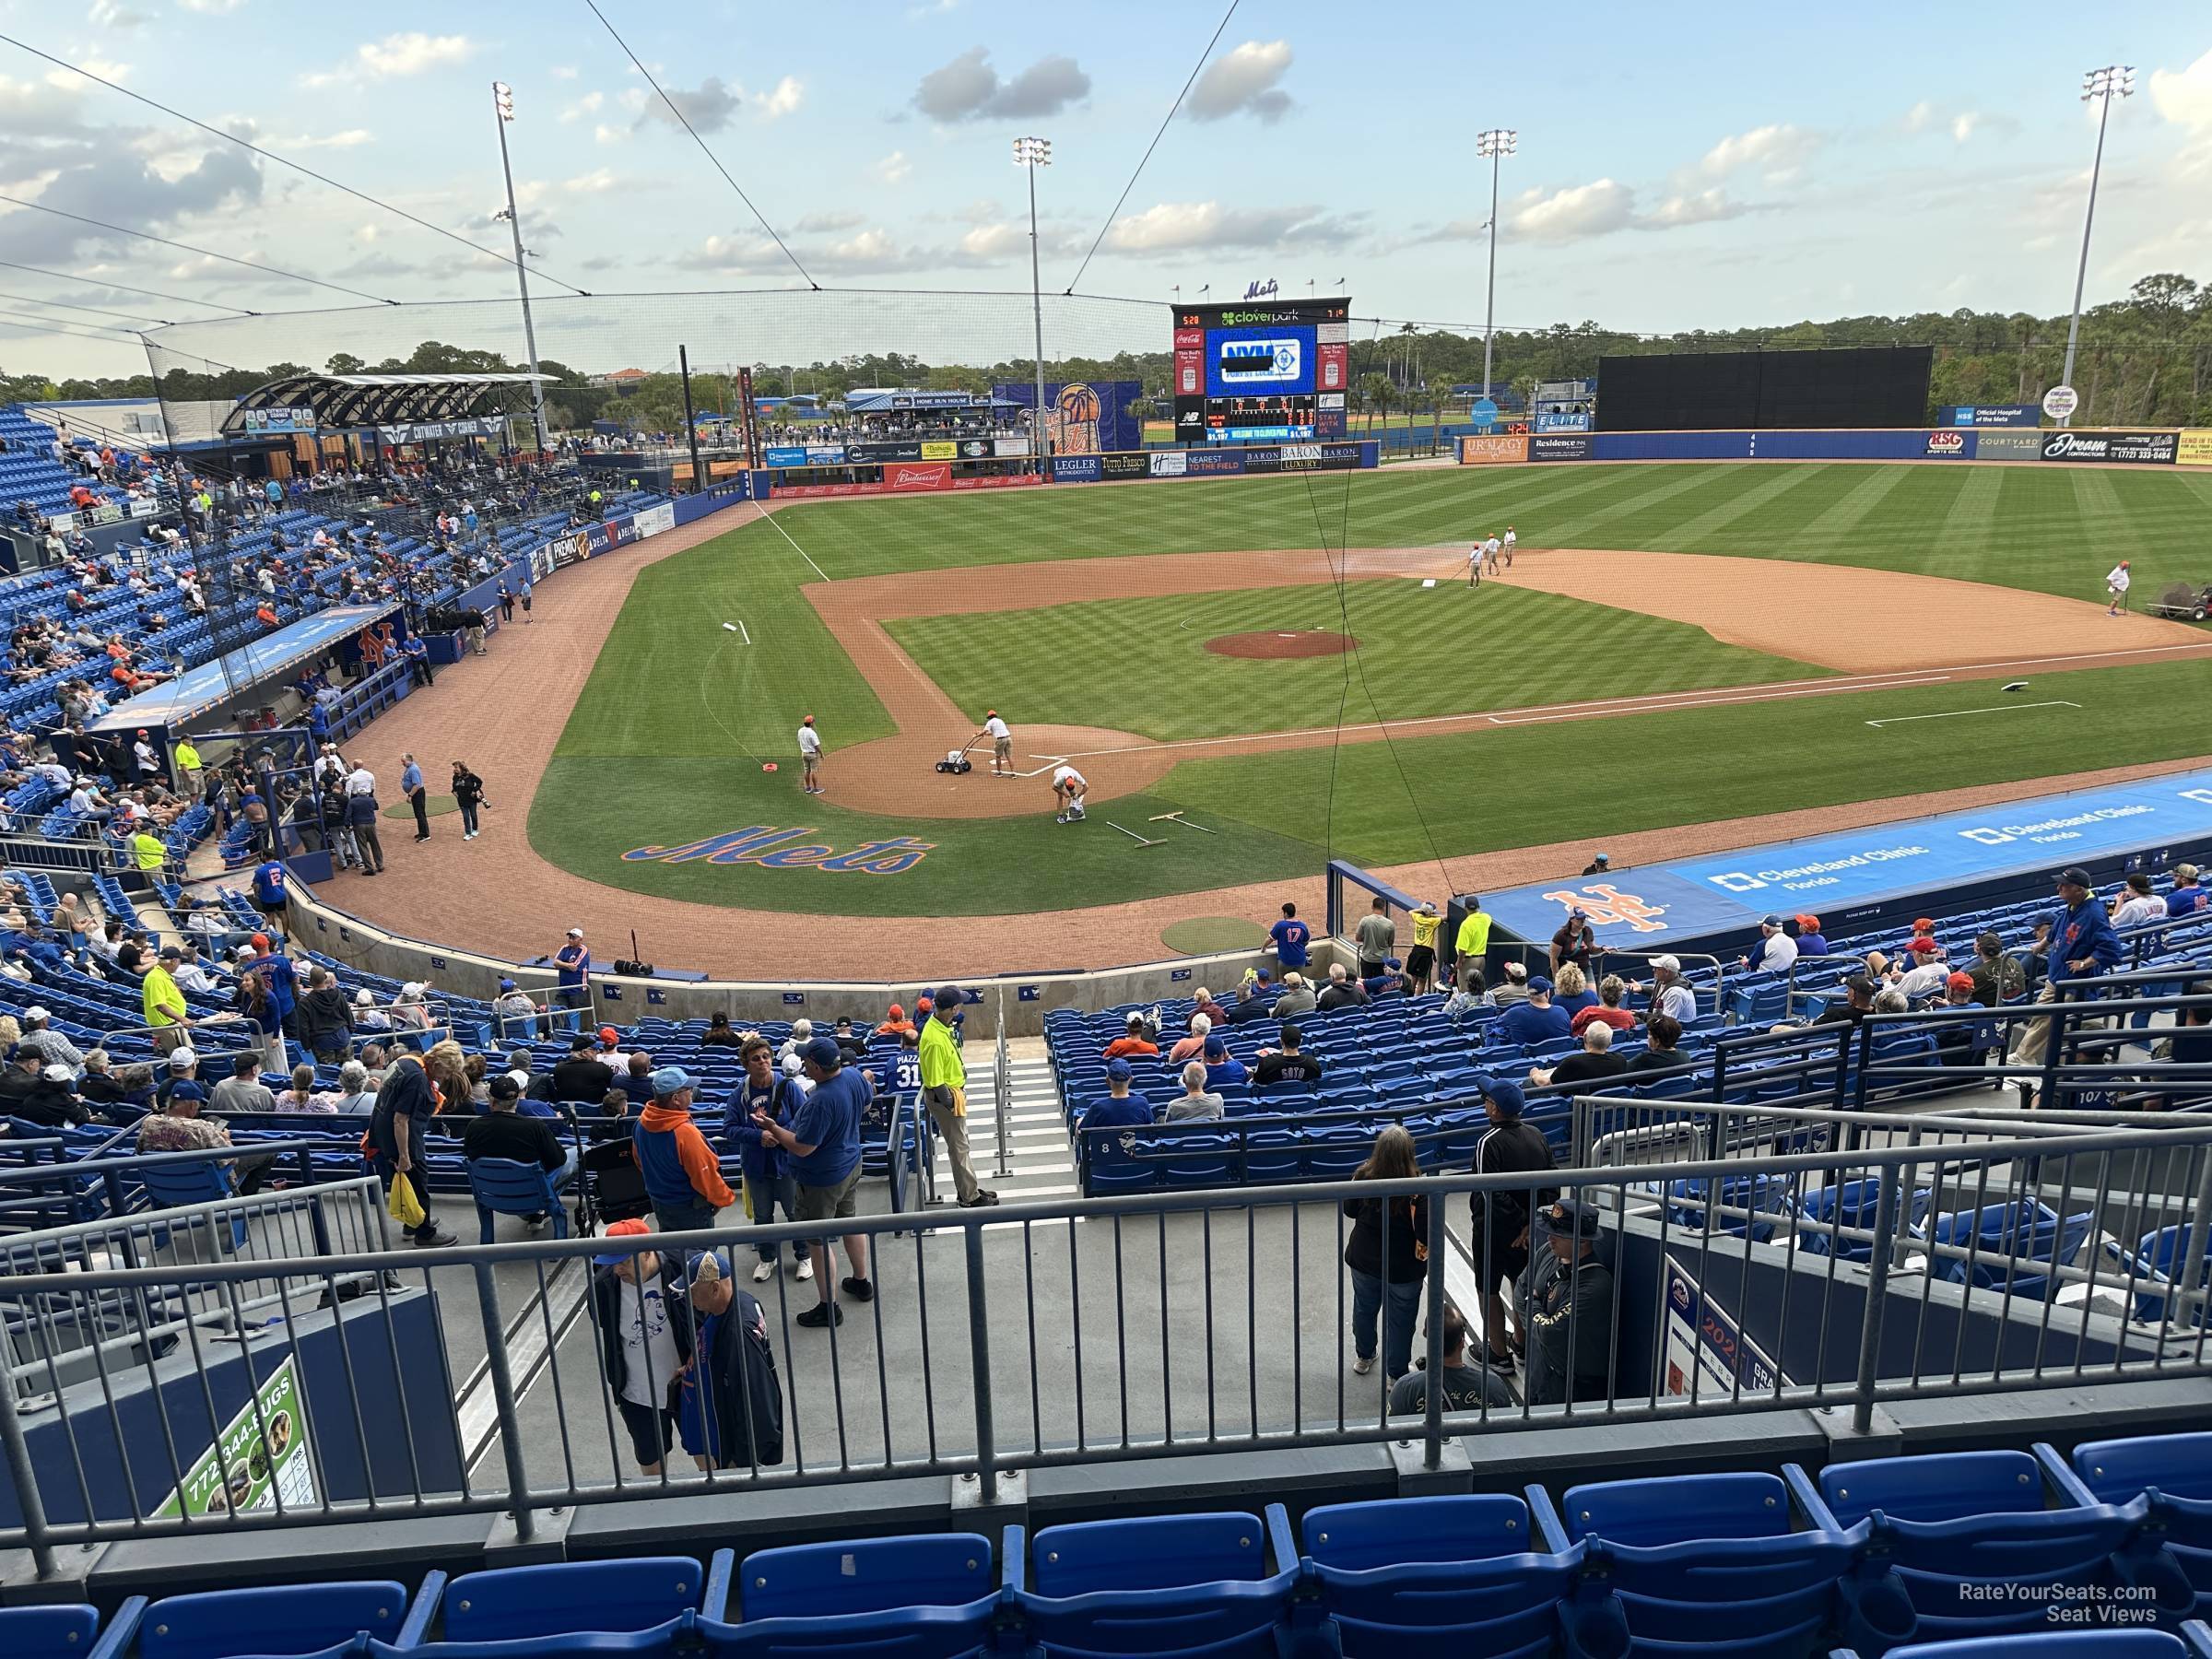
<point>670,1079</point>
<point>1539,983</point>
<point>824,1052</point>
<point>696,1259</point>
<point>1216,1049</point>
<point>1392,963</point>
<point>1506,1093</point>
<point>1118,1069</point>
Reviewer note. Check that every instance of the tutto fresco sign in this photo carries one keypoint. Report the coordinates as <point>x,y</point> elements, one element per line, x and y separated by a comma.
<point>789,850</point>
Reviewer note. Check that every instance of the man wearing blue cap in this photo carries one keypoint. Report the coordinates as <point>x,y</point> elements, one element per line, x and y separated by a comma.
<point>944,1093</point>
<point>1120,1108</point>
<point>1571,1308</point>
<point>1535,1021</point>
<point>1223,1070</point>
<point>1500,1217</point>
<point>823,1143</point>
<point>683,1177</point>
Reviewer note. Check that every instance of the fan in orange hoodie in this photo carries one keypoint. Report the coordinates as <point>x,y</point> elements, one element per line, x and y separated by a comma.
<point>682,1174</point>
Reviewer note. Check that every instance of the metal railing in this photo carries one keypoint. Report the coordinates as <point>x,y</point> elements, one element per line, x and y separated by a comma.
<point>1175,1324</point>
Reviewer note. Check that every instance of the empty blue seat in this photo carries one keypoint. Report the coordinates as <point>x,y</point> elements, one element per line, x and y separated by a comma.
<point>2175,1470</point>
<point>922,1597</point>
<point>69,1631</point>
<point>566,1599</point>
<point>2151,1264</point>
<point>1850,1204</point>
<point>2009,1241</point>
<point>1409,1575</point>
<point>296,1618</point>
<point>1159,1585</point>
<point>2058,1644</point>
<point>512,1188</point>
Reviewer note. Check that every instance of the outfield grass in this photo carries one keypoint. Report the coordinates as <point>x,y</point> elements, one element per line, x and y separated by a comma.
<point>670,680</point>
<point>1143,666</point>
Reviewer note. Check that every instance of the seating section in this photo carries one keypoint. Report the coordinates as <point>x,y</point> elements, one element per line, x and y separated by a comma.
<point>1944,1556</point>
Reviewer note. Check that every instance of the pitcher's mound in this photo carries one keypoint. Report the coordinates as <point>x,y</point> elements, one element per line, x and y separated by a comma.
<point>1302,642</point>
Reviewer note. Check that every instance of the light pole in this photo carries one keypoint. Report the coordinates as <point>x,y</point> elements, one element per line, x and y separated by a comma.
<point>1497,144</point>
<point>502,103</point>
<point>2103,85</point>
<point>1031,154</point>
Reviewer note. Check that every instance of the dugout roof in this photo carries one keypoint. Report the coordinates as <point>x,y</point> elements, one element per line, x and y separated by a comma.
<point>342,401</point>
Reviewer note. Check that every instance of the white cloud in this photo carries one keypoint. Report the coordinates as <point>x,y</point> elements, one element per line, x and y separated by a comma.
<point>115,14</point>
<point>600,181</point>
<point>1574,213</point>
<point>709,107</point>
<point>1244,82</point>
<point>969,89</point>
<point>211,8</point>
<point>1777,151</point>
<point>413,52</point>
<point>563,72</point>
<point>589,104</point>
<point>603,133</point>
<point>69,81</point>
<point>349,139</point>
<point>994,242</point>
<point>1703,207</point>
<point>815,222</point>
<point>1172,227</point>
<point>1926,116</point>
<point>782,98</point>
<point>2184,96</point>
<point>894,168</point>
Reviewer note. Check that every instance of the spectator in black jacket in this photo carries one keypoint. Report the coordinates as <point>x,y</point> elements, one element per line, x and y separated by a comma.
<point>1500,1234</point>
<point>644,1339</point>
<point>1288,1061</point>
<point>1661,1054</point>
<point>730,1413</point>
<point>579,1077</point>
<point>326,1018</point>
<point>27,1092</point>
<point>502,1132</point>
<point>1387,1256</point>
<point>1594,1063</point>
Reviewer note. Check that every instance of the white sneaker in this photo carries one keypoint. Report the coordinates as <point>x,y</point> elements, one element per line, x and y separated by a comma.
<point>764,1272</point>
<point>805,1267</point>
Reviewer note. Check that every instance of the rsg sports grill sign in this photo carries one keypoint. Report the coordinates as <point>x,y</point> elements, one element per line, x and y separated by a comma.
<point>2154,448</point>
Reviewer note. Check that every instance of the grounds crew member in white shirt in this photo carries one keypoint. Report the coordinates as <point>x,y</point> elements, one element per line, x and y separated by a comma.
<point>1490,549</point>
<point>1002,743</point>
<point>1475,557</point>
<point>945,1092</point>
<point>810,756</point>
<point>1509,540</point>
<point>2116,582</point>
<point>1068,789</point>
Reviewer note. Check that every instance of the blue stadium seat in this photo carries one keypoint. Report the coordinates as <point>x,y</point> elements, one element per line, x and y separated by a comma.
<point>182,1184</point>
<point>1714,1564</point>
<point>2175,1470</point>
<point>71,1632</point>
<point>2007,1241</point>
<point>1850,1204</point>
<point>2151,1264</point>
<point>1409,1575</point>
<point>2060,1644</point>
<point>1947,1525</point>
<point>296,1618</point>
<point>1159,1585</point>
<point>512,1188</point>
<point>923,1597</point>
<point>564,1599</point>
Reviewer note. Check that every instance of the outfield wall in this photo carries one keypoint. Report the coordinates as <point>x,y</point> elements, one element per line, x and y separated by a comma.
<point>2164,446</point>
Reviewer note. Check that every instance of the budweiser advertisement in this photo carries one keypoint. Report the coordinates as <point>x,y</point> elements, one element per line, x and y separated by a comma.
<point>906,475</point>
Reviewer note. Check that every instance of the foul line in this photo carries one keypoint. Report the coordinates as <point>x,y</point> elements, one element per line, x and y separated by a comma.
<point>1992,709</point>
<point>741,633</point>
<point>1719,699</point>
<point>796,549</point>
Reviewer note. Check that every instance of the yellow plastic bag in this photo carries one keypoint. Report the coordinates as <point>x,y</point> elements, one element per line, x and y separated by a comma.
<point>400,1203</point>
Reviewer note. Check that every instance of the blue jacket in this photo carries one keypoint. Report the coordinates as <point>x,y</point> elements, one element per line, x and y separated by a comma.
<point>2083,931</point>
<point>781,1100</point>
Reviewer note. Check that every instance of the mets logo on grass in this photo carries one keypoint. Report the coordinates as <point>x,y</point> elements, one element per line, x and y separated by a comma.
<point>1608,906</point>
<point>774,849</point>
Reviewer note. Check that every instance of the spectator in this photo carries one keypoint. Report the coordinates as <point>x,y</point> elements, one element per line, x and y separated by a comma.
<point>767,1184</point>
<point>2135,905</point>
<point>1499,1218</point>
<point>1288,1061</point>
<point>1570,1299</point>
<point>823,1142</point>
<point>1670,997</point>
<point>1607,1009</point>
<point>574,962</point>
<point>1193,1046</point>
<point>2035,961</point>
<point>100,1086</point>
<point>502,1132</point>
<point>301,1095</point>
<point>1120,1108</point>
<point>1511,988</point>
<point>1223,1070</point>
<point>1996,976</point>
<point>1890,999</point>
<point>243,1090</point>
<point>1291,939</point>
<point>582,1076</point>
<point>404,1106</point>
<point>1574,942</point>
<point>635,1080</point>
<point>794,1045</point>
<point>1391,980</point>
<point>163,1002</point>
<point>1375,936</point>
<point>1661,1034</point>
<point>325,1020</point>
<point>1421,961</point>
<point>1132,1040</point>
<point>38,1092</point>
<point>644,1340</point>
<point>40,1038</point>
<point>851,1040</point>
<point>1471,945</point>
<point>1296,997</point>
<point>1776,952</point>
<point>469,795</point>
<point>1342,990</point>
<point>1196,1105</point>
<point>1930,970</point>
<point>682,1174</point>
<point>1387,1254</point>
<point>1202,1001</point>
<point>2187,897</point>
<point>515,1016</point>
<point>179,1127</point>
<point>1570,993</point>
<point>944,1093</point>
<point>730,1413</point>
<point>1527,1023</point>
<point>896,1024</point>
<point>1857,1005</point>
<point>1596,1063</point>
<point>2083,946</point>
<point>1465,1387</point>
<point>1248,1006</point>
<point>1810,942</point>
<point>719,1033</point>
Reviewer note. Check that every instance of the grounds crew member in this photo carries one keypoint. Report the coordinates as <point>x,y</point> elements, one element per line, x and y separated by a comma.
<point>1570,1297</point>
<point>1002,743</point>
<point>1471,943</point>
<point>1069,786</point>
<point>945,1092</point>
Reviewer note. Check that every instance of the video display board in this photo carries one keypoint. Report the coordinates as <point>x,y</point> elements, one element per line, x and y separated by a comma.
<point>1263,371</point>
<point>1720,391</point>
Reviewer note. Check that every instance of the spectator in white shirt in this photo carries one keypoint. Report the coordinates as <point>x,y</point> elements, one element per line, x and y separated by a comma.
<point>1670,997</point>
<point>1775,951</point>
<point>2140,905</point>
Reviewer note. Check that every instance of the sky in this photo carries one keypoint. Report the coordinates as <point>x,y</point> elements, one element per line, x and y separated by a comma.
<point>1723,167</point>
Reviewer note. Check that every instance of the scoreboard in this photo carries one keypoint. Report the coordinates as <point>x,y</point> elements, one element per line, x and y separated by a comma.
<point>1263,371</point>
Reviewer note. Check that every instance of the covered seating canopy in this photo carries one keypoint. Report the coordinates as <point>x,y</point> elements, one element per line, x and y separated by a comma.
<point>345,401</point>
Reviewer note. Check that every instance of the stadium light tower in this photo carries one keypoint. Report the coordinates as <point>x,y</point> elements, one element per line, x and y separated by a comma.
<point>502,103</point>
<point>1497,144</point>
<point>1029,154</point>
<point>2115,80</point>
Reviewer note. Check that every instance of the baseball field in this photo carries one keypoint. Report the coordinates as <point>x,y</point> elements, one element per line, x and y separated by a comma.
<point>1675,644</point>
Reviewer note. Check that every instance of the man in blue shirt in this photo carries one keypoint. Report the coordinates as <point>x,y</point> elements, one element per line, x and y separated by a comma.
<point>1221,1068</point>
<point>823,1143</point>
<point>418,796</point>
<point>576,964</point>
<point>2083,946</point>
<point>1535,1021</point>
<point>1120,1108</point>
<point>1290,935</point>
<point>268,892</point>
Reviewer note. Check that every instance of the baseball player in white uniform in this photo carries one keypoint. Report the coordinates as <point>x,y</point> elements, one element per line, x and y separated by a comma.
<point>810,757</point>
<point>2116,581</point>
<point>1068,789</point>
<point>1510,539</point>
<point>1002,743</point>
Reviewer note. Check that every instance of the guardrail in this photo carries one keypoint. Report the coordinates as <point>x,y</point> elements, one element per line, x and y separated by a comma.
<point>1190,1324</point>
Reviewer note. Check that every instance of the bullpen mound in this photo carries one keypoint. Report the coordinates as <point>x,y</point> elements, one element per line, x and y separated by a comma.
<point>1303,643</point>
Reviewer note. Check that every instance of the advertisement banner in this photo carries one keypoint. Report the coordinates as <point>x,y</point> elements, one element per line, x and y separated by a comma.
<point>1200,463</point>
<point>914,451</point>
<point>1009,446</point>
<point>1985,415</point>
<point>998,481</point>
<point>2156,447</point>
<point>1169,464</point>
<point>2008,446</point>
<point>1083,418</point>
<point>261,1456</point>
<point>654,520</point>
<point>783,454</point>
<point>2195,447</point>
<point>914,476</point>
<point>1492,450</point>
<point>425,431</point>
<point>1299,457</point>
<point>1134,464</point>
<point>1077,469</point>
<point>815,492</point>
<point>1559,446</point>
<point>825,454</point>
<point>938,449</point>
<point>1951,445</point>
<point>1559,420</point>
<point>299,417</point>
